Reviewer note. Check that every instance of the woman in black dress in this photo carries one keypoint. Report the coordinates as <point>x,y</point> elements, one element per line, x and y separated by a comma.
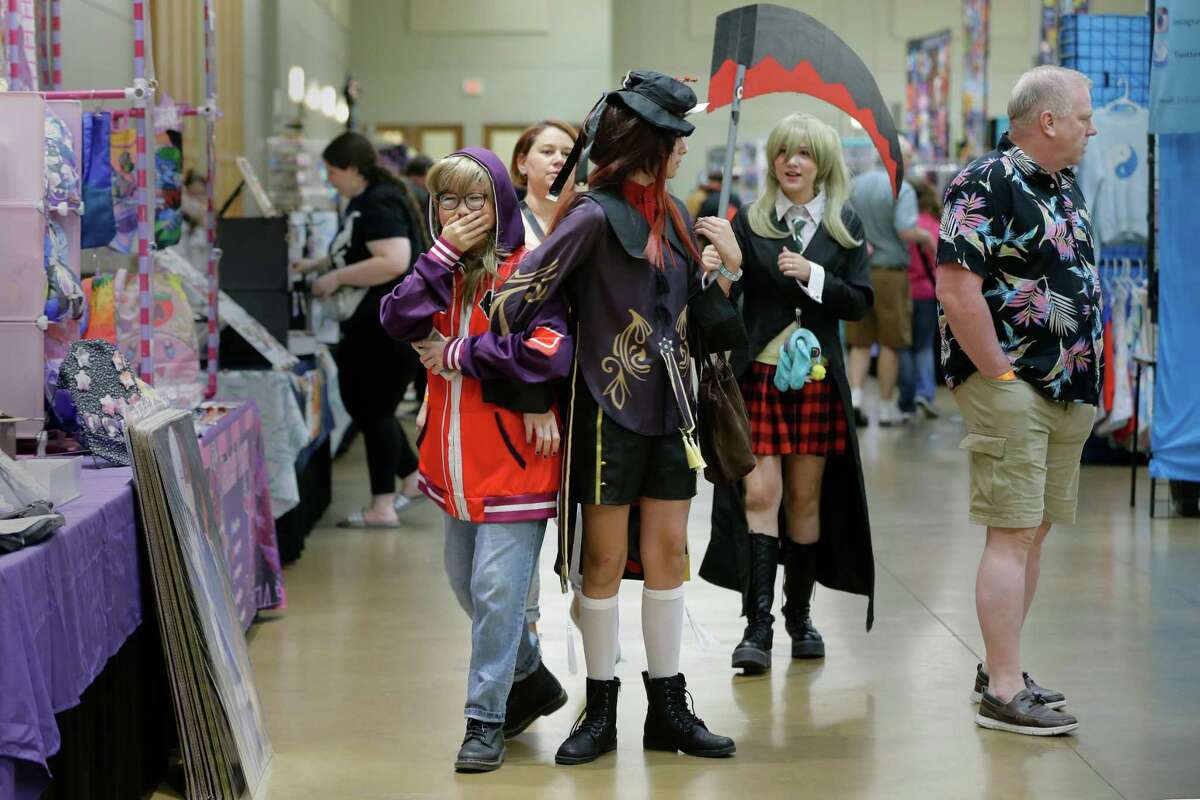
<point>805,265</point>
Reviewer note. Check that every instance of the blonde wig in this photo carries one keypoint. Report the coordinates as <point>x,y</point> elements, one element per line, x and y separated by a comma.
<point>792,133</point>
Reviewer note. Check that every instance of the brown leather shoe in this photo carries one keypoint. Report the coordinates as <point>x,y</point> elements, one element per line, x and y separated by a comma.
<point>1023,714</point>
<point>1049,697</point>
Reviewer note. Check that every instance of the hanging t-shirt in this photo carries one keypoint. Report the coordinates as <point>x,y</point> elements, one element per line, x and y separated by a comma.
<point>1113,174</point>
<point>377,213</point>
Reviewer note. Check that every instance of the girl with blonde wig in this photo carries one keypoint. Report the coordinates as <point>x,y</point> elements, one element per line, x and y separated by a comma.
<point>805,266</point>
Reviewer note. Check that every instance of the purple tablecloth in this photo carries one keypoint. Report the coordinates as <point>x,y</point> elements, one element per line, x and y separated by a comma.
<point>237,475</point>
<point>66,606</point>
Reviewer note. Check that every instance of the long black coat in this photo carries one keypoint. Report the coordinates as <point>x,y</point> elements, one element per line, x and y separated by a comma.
<point>769,301</point>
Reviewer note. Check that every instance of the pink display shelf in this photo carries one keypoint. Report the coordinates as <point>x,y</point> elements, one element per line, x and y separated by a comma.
<point>22,170</point>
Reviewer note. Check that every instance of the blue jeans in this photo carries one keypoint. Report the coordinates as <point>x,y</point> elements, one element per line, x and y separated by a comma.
<point>490,567</point>
<point>916,362</point>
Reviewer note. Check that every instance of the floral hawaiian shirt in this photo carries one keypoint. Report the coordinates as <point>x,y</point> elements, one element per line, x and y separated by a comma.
<point>1027,233</point>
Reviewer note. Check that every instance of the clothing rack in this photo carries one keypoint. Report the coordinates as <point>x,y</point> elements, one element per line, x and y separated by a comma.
<point>141,96</point>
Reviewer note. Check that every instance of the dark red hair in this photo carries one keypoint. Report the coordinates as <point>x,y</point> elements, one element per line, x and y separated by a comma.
<point>624,145</point>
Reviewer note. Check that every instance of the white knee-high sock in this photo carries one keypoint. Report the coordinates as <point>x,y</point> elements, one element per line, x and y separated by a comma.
<point>662,629</point>
<point>599,626</point>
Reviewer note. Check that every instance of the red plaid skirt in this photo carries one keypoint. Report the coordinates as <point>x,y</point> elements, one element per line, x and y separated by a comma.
<point>810,421</point>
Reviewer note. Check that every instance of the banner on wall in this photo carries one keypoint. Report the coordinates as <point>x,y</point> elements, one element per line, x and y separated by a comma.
<point>1175,68</point>
<point>975,58</point>
<point>927,94</point>
<point>1052,13</point>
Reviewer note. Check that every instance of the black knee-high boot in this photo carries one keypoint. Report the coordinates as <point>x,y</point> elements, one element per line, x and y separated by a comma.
<point>753,653</point>
<point>799,577</point>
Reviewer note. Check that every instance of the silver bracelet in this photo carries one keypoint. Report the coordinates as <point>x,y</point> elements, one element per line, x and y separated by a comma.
<point>732,277</point>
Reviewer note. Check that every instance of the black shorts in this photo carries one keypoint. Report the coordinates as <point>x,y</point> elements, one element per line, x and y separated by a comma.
<point>613,466</point>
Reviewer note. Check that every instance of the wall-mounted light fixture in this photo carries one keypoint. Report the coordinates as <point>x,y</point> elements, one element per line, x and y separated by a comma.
<point>329,101</point>
<point>295,84</point>
<point>343,112</point>
<point>312,98</point>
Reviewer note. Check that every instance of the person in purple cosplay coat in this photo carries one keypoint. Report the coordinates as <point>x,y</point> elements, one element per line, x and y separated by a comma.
<point>623,258</point>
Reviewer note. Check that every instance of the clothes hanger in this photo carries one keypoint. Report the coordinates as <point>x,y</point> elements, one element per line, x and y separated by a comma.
<point>1124,102</point>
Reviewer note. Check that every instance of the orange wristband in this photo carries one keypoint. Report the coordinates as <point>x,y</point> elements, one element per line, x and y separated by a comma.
<point>1008,376</point>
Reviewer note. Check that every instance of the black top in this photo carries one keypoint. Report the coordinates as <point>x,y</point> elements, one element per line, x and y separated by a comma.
<point>712,202</point>
<point>1027,233</point>
<point>377,213</point>
<point>770,300</point>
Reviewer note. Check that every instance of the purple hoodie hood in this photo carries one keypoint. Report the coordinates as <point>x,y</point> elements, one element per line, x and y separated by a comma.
<point>510,228</point>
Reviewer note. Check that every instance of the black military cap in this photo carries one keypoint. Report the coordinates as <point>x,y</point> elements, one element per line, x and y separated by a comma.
<point>658,99</point>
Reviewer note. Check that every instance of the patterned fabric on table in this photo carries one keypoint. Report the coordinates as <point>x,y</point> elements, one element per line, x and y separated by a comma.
<point>809,421</point>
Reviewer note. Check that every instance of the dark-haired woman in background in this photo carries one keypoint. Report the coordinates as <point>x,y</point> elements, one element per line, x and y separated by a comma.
<point>536,160</point>
<point>373,250</point>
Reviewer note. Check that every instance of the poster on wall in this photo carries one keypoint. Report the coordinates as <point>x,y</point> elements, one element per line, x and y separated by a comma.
<point>1052,13</point>
<point>927,95</point>
<point>1175,68</point>
<point>975,58</point>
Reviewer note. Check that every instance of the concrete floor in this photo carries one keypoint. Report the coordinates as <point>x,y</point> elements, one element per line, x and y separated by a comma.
<point>362,678</point>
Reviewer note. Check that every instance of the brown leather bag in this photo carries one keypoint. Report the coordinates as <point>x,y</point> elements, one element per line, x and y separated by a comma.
<point>723,422</point>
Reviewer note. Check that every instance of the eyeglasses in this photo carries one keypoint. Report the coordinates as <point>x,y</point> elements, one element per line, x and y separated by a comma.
<point>449,202</point>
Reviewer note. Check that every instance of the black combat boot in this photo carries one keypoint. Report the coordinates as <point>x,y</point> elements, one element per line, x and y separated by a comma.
<point>538,695</point>
<point>482,748</point>
<point>753,653</point>
<point>799,576</point>
<point>671,725</point>
<point>595,732</point>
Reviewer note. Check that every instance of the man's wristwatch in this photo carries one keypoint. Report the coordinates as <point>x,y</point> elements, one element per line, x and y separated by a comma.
<point>732,277</point>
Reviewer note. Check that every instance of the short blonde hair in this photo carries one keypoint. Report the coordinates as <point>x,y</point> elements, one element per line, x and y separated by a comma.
<point>1044,88</point>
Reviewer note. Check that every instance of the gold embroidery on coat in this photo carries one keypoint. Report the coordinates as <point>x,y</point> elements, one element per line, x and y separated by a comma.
<point>534,285</point>
<point>628,358</point>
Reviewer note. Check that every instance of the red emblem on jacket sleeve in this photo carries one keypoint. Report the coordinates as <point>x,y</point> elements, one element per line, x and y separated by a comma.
<point>544,340</point>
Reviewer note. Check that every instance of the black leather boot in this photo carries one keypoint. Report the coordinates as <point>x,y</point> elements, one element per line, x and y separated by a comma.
<point>595,732</point>
<point>671,725</point>
<point>799,576</point>
<point>753,653</point>
<point>482,748</point>
<point>539,695</point>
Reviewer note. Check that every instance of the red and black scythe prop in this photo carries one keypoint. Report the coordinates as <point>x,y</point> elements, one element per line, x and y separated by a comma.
<point>767,48</point>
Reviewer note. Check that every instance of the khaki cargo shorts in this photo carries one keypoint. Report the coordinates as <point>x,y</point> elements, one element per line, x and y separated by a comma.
<point>889,320</point>
<point>1024,451</point>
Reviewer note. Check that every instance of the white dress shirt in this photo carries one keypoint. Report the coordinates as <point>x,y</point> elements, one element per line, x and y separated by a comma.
<point>804,219</point>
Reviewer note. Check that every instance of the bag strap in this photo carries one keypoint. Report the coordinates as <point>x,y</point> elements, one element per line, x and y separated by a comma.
<point>925,262</point>
<point>532,221</point>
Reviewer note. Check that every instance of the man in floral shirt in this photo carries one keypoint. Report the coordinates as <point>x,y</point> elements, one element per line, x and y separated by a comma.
<point>1022,343</point>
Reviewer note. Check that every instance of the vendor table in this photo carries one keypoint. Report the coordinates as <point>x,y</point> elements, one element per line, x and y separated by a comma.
<point>70,604</point>
<point>66,606</point>
<point>235,460</point>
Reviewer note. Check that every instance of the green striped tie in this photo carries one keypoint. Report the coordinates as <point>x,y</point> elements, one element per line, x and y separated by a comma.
<point>798,233</point>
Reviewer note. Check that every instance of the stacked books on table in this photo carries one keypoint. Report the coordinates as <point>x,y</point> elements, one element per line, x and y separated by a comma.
<point>224,742</point>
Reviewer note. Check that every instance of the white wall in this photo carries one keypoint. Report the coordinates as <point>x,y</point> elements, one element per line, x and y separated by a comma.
<point>277,34</point>
<point>536,58</point>
<point>97,44</point>
<point>542,58</point>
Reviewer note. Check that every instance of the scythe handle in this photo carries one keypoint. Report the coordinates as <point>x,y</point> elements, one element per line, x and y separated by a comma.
<point>735,111</point>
